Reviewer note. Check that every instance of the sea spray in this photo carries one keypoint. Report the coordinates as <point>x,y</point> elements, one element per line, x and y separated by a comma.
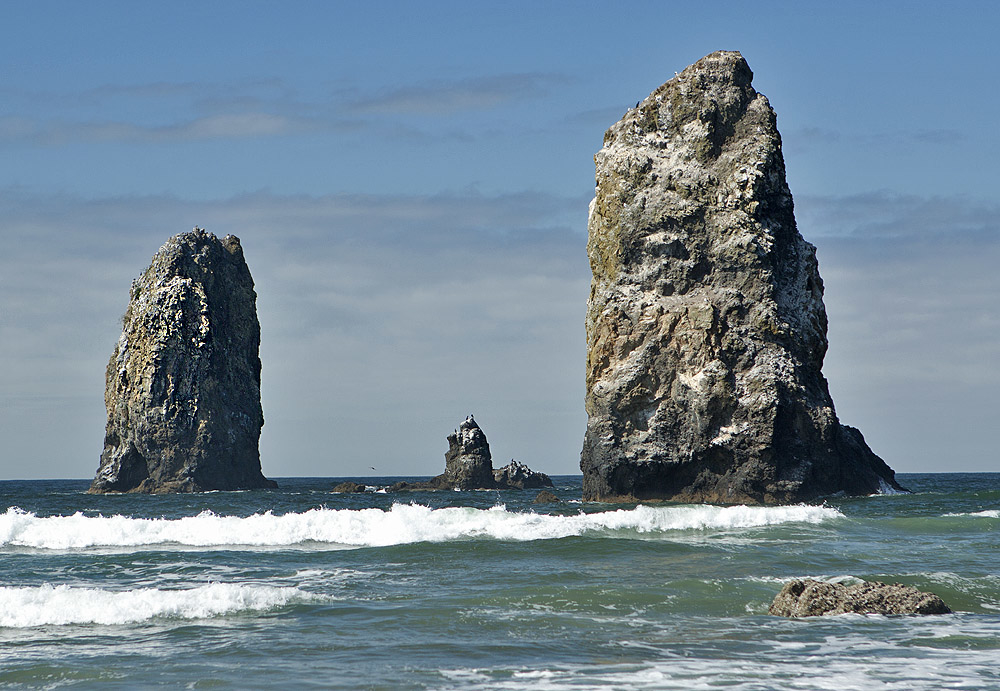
<point>401,524</point>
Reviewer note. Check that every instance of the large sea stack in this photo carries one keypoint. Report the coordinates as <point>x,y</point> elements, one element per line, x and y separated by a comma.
<point>706,329</point>
<point>183,384</point>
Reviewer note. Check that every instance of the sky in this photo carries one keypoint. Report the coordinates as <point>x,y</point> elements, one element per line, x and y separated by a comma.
<point>410,183</point>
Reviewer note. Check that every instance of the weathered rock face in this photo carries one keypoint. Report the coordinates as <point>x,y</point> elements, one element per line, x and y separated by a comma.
<point>809,598</point>
<point>468,463</point>
<point>706,329</point>
<point>183,384</point>
<point>516,475</point>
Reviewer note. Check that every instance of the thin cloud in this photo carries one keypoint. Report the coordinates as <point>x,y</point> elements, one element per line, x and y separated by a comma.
<point>814,135</point>
<point>254,109</point>
<point>236,126</point>
<point>940,136</point>
<point>183,111</point>
<point>445,97</point>
<point>598,118</point>
<point>19,131</point>
<point>270,90</point>
<point>16,128</point>
<point>911,295</point>
<point>807,138</point>
<point>889,214</point>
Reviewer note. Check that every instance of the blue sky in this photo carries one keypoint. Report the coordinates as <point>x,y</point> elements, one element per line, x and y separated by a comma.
<point>410,182</point>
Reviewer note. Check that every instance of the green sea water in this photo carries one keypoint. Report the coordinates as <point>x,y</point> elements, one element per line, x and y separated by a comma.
<point>302,588</point>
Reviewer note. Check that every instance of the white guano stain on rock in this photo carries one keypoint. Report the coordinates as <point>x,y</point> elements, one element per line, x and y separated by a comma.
<point>183,384</point>
<point>706,329</point>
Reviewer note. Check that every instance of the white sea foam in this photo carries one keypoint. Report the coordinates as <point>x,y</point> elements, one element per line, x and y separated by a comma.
<point>402,524</point>
<point>841,663</point>
<point>988,513</point>
<point>59,605</point>
<point>887,489</point>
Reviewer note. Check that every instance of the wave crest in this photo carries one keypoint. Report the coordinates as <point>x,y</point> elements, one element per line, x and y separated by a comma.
<point>402,524</point>
<point>22,607</point>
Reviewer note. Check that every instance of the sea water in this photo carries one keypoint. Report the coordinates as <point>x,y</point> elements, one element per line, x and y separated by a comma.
<point>300,587</point>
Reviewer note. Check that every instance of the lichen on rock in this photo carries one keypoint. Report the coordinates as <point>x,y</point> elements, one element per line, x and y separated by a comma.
<point>183,384</point>
<point>706,329</point>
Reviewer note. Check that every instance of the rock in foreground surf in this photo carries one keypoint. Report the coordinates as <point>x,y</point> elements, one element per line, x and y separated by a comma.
<point>183,384</point>
<point>810,598</point>
<point>706,328</point>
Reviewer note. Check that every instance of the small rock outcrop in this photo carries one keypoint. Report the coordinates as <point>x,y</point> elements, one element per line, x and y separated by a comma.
<point>468,464</point>
<point>810,598</point>
<point>183,384</point>
<point>435,483</point>
<point>706,329</point>
<point>516,475</point>
<point>546,497</point>
<point>349,487</point>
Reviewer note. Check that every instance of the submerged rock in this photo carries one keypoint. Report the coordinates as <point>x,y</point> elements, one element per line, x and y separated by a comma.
<point>468,465</point>
<point>516,475</point>
<point>183,384</point>
<point>706,329</point>
<point>810,598</point>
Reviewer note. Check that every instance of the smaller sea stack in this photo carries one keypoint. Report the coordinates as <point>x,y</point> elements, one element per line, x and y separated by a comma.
<point>468,464</point>
<point>183,384</point>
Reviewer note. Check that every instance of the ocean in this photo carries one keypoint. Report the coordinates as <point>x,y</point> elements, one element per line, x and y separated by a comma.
<point>302,588</point>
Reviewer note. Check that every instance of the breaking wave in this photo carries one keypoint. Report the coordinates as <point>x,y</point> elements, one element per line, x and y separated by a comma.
<point>402,524</point>
<point>45,605</point>
<point>988,513</point>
